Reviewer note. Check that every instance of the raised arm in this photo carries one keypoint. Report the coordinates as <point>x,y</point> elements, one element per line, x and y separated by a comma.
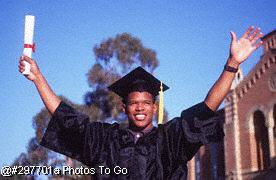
<point>49,98</point>
<point>239,51</point>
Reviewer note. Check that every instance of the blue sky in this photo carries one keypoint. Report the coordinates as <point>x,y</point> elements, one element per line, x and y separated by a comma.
<point>191,39</point>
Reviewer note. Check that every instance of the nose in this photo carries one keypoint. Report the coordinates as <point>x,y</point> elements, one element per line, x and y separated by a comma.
<point>139,107</point>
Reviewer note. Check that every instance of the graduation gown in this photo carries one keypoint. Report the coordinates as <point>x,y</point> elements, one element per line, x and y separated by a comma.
<point>162,153</point>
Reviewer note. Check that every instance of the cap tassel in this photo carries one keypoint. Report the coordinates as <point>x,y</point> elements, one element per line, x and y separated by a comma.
<point>161,104</point>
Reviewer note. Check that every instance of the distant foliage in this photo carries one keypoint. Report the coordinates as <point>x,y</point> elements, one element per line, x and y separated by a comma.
<point>114,58</point>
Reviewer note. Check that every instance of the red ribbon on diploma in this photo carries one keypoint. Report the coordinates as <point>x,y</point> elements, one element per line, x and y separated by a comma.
<point>30,46</point>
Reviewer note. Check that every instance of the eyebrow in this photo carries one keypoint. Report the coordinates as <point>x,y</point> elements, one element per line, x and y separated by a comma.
<point>145,100</point>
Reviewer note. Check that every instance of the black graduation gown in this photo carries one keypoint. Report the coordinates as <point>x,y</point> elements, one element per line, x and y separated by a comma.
<point>160,154</point>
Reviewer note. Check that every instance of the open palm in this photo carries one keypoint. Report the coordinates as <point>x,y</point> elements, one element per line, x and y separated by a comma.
<point>240,50</point>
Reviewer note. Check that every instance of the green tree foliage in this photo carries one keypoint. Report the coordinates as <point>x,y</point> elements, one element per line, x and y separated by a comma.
<point>114,58</point>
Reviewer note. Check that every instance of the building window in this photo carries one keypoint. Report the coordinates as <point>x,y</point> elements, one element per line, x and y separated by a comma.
<point>262,143</point>
<point>252,81</point>
<point>267,46</point>
<point>257,75</point>
<point>261,71</point>
<point>266,65</point>
<point>197,159</point>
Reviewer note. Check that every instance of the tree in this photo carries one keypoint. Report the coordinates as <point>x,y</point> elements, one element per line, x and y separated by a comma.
<point>115,57</point>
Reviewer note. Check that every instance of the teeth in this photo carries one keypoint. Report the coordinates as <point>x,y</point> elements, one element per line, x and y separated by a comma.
<point>140,116</point>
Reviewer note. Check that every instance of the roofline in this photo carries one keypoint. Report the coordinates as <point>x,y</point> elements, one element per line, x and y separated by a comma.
<point>269,34</point>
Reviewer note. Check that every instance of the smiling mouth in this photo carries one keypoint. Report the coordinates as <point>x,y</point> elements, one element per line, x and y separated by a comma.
<point>140,116</point>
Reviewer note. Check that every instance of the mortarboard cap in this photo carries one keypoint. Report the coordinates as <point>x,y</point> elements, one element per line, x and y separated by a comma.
<point>137,80</point>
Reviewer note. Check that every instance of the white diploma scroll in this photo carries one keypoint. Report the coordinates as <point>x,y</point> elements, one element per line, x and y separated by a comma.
<point>28,41</point>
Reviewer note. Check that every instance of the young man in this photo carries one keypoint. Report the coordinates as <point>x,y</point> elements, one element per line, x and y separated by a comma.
<point>146,152</point>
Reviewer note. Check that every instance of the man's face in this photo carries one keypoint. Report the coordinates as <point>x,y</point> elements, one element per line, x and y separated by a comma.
<point>140,109</point>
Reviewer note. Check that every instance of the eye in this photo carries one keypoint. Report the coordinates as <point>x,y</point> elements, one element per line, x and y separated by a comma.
<point>132,103</point>
<point>148,102</point>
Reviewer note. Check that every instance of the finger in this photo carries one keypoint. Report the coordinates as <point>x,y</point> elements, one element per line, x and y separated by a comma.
<point>22,63</point>
<point>21,69</point>
<point>233,37</point>
<point>254,34</point>
<point>21,66</point>
<point>21,59</point>
<point>257,38</point>
<point>258,45</point>
<point>248,31</point>
<point>29,60</point>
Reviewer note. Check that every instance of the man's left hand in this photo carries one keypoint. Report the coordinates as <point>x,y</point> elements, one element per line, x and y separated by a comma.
<point>240,50</point>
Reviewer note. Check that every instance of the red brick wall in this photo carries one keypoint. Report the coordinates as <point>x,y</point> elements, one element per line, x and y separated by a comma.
<point>258,95</point>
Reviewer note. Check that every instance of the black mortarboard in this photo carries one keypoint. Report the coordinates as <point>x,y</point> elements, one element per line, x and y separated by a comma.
<point>137,80</point>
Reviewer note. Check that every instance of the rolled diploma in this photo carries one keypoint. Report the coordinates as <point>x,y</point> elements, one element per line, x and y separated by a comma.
<point>28,39</point>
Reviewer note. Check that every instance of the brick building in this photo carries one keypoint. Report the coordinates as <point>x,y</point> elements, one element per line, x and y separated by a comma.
<point>249,118</point>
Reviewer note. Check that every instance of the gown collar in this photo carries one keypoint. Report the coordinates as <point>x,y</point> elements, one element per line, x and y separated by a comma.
<point>139,134</point>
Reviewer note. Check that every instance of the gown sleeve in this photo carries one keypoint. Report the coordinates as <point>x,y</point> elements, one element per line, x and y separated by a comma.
<point>196,126</point>
<point>70,133</point>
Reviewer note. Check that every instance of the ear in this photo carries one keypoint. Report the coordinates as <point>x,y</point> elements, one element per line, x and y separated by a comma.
<point>124,107</point>
<point>154,108</point>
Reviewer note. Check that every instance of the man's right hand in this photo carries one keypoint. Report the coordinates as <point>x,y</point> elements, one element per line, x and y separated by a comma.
<point>34,71</point>
<point>49,98</point>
